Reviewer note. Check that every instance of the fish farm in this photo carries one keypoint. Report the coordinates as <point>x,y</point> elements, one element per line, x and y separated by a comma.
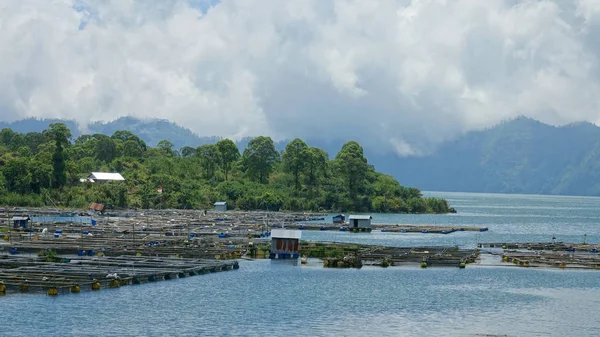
<point>58,252</point>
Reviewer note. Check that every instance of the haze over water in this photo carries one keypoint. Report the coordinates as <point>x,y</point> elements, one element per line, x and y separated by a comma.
<point>268,298</point>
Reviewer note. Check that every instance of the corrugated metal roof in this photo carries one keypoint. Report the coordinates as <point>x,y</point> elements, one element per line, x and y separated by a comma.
<point>19,218</point>
<point>286,234</point>
<point>106,176</point>
<point>360,217</point>
<point>220,203</point>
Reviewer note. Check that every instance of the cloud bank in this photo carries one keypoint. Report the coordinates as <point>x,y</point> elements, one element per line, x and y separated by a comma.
<point>394,74</point>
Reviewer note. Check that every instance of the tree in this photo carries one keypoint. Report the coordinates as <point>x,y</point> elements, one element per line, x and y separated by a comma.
<point>6,136</point>
<point>61,134</point>
<point>259,157</point>
<point>132,149</point>
<point>294,159</point>
<point>316,165</point>
<point>33,140</point>
<point>228,154</point>
<point>124,136</point>
<point>209,157</point>
<point>16,175</point>
<point>166,147</point>
<point>187,151</point>
<point>106,149</point>
<point>352,166</point>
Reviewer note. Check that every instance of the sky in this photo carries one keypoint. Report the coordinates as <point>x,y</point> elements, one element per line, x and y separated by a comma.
<point>399,75</point>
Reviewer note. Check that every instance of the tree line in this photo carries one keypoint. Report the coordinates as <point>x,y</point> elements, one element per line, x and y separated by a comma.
<point>48,169</point>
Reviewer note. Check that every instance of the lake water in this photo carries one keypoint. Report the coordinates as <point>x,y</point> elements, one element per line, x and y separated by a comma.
<point>271,299</point>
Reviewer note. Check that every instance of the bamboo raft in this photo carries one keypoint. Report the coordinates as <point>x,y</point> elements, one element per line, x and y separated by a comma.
<point>18,274</point>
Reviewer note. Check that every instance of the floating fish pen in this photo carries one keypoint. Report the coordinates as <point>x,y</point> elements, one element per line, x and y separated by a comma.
<point>157,247</point>
<point>424,256</point>
<point>23,275</point>
<point>429,229</point>
<point>341,255</point>
<point>548,246</point>
<point>553,255</point>
<point>424,229</point>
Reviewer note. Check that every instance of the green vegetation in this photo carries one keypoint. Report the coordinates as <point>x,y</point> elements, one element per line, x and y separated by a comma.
<point>38,169</point>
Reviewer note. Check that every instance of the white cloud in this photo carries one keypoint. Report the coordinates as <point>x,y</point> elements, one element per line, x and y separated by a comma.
<point>402,74</point>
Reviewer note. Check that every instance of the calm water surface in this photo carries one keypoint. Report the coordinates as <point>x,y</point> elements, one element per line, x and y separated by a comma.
<point>269,298</point>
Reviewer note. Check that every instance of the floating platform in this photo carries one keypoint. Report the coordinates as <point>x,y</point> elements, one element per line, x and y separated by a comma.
<point>23,275</point>
<point>548,254</point>
<point>393,228</point>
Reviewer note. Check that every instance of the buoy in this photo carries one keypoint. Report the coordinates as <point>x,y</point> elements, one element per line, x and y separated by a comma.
<point>462,265</point>
<point>304,260</point>
<point>52,291</point>
<point>122,282</point>
<point>136,280</point>
<point>6,238</point>
<point>181,275</point>
<point>96,285</point>
<point>504,258</point>
<point>75,288</point>
<point>424,264</point>
<point>2,288</point>
<point>563,265</point>
<point>114,283</point>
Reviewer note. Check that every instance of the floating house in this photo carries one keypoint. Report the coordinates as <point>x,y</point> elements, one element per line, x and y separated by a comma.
<point>104,177</point>
<point>360,223</point>
<point>220,206</point>
<point>20,222</point>
<point>285,244</point>
<point>340,218</point>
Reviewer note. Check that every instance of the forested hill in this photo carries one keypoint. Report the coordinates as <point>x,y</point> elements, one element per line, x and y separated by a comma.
<point>46,168</point>
<point>517,156</point>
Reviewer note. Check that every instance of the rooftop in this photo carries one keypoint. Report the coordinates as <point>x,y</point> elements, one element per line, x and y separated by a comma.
<point>360,217</point>
<point>106,176</point>
<point>220,203</point>
<point>286,234</point>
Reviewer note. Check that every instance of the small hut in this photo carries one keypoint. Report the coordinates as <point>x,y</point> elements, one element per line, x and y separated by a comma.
<point>360,223</point>
<point>285,244</point>
<point>20,222</point>
<point>220,206</point>
<point>340,218</point>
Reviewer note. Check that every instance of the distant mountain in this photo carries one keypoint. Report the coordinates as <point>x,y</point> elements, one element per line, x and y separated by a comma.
<point>153,131</point>
<point>39,125</point>
<point>516,156</point>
